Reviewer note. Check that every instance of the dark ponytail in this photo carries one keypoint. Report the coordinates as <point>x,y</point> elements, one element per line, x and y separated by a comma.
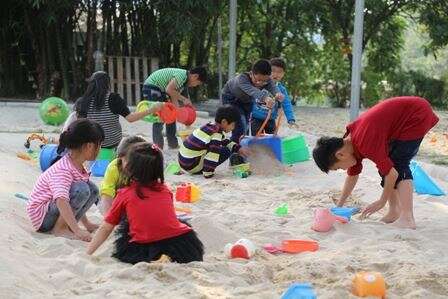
<point>145,166</point>
<point>97,89</point>
<point>80,132</point>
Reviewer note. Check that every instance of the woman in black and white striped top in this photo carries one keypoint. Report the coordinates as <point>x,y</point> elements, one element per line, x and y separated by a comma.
<point>104,107</point>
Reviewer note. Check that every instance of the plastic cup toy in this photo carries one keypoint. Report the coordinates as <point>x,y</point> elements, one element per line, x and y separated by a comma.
<point>366,284</point>
<point>188,193</point>
<point>243,248</point>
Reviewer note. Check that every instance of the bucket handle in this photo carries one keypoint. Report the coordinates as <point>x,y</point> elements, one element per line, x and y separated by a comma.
<point>268,116</point>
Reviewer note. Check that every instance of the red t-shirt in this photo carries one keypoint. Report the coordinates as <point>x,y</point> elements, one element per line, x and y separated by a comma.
<point>400,118</point>
<point>150,219</point>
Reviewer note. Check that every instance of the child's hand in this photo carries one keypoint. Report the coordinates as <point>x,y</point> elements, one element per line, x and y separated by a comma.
<point>244,151</point>
<point>372,208</point>
<point>83,235</point>
<point>269,102</point>
<point>279,97</point>
<point>186,101</point>
<point>293,125</point>
<point>156,107</point>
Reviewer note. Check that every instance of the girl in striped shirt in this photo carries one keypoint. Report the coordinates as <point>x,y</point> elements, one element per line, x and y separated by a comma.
<point>63,193</point>
<point>104,107</point>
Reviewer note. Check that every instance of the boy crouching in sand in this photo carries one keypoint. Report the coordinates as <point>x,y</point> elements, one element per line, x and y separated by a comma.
<point>207,147</point>
<point>389,134</point>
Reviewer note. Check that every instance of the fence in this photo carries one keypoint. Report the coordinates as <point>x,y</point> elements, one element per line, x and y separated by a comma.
<point>127,75</point>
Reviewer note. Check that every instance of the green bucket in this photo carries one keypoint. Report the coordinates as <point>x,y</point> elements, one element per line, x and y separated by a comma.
<point>106,154</point>
<point>294,149</point>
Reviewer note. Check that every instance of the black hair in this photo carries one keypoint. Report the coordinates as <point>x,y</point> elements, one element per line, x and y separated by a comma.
<point>324,153</point>
<point>278,62</point>
<point>145,166</point>
<point>201,72</point>
<point>126,143</point>
<point>227,112</point>
<point>80,132</point>
<point>262,67</point>
<point>97,88</point>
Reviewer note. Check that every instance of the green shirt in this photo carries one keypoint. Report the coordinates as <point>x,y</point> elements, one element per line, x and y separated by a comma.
<point>162,77</point>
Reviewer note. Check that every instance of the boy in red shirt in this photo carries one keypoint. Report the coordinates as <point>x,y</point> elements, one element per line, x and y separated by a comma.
<point>389,134</point>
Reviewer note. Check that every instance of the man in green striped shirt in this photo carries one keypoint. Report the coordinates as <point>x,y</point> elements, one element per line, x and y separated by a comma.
<point>167,85</point>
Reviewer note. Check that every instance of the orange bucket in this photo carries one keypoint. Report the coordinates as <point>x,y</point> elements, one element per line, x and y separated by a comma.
<point>168,113</point>
<point>186,115</point>
<point>296,246</point>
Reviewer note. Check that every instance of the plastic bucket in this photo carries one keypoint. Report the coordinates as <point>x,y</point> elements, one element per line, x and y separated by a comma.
<point>99,166</point>
<point>186,115</point>
<point>47,155</point>
<point>168,113</point>
<point>272,142</point>
<point>294,149</point>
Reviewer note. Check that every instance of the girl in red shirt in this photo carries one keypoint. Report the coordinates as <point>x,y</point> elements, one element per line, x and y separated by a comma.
<point>145,211</point>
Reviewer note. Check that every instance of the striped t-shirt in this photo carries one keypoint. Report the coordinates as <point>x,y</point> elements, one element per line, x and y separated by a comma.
<point>108,118</point>
<point>201,150</point>
<point>54,183</point>
<point>162,77</point>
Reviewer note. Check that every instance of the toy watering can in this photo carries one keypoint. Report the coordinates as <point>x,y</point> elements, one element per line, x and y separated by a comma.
<point>324,220</point>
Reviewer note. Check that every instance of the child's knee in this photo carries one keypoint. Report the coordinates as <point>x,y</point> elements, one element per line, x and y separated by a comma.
<point>80,189</point>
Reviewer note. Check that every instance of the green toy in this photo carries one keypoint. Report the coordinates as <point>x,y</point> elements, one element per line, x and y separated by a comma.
<point>242,170</point>
<point>145,105</point>
<point>53,111</point>
<point>282,210</point>
<point>173,168</point>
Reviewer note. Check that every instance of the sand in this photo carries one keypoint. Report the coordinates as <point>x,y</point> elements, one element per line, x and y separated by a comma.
<point>413,263</point>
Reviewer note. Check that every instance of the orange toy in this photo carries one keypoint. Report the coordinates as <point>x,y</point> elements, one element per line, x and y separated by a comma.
<point>186,115</point>
<point>296,246</point>
<point>188,193</point>
<point>369,284</point>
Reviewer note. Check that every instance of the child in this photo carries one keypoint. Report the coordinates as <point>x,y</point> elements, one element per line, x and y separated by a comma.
<point>166,85</point>
<point>207,147</point>
<point>114,177</point>
<point>245,89</point>
<point>63,193</point>
<point>104,107</point>
<point>151,228</point>
<point>389,134</point>
<point>259,113</point>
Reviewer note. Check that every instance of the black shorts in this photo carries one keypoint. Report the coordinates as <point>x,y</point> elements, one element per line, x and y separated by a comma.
<point>401,153</point>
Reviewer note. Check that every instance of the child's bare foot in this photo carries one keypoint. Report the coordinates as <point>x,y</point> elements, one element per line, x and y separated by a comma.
<point>64,232</point>
<point>405,222</point>
<point>90,227</point>
<point>391,216</point>
<point>163,259</point>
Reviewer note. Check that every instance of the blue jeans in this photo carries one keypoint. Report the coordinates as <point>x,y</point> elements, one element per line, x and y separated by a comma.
<point>82,196</point>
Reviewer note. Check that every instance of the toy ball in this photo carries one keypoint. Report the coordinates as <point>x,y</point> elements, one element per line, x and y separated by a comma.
<point>145,105</point>
<point>53,111</point>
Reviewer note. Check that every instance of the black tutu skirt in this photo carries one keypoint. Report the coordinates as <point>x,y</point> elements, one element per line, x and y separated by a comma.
<point>181,249</point>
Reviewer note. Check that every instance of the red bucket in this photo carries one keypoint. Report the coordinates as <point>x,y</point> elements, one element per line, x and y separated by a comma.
<point>186,115</point>
<point>168,113</point>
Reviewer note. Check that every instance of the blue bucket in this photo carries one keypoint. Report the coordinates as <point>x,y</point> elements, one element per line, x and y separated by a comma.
<point>47,155</point>
<point>300,291</point>
<point>272,142</point>
<point>99,167</point>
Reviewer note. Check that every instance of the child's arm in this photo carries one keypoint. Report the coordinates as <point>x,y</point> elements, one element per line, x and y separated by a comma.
<point>106,203</point>
<point>349,185</point>
<point>287,106</point>
<point>248,88</point>
<point>175,96</point>
<point>134,116</point>
<point>100,236</point>
<point>67,214</point>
